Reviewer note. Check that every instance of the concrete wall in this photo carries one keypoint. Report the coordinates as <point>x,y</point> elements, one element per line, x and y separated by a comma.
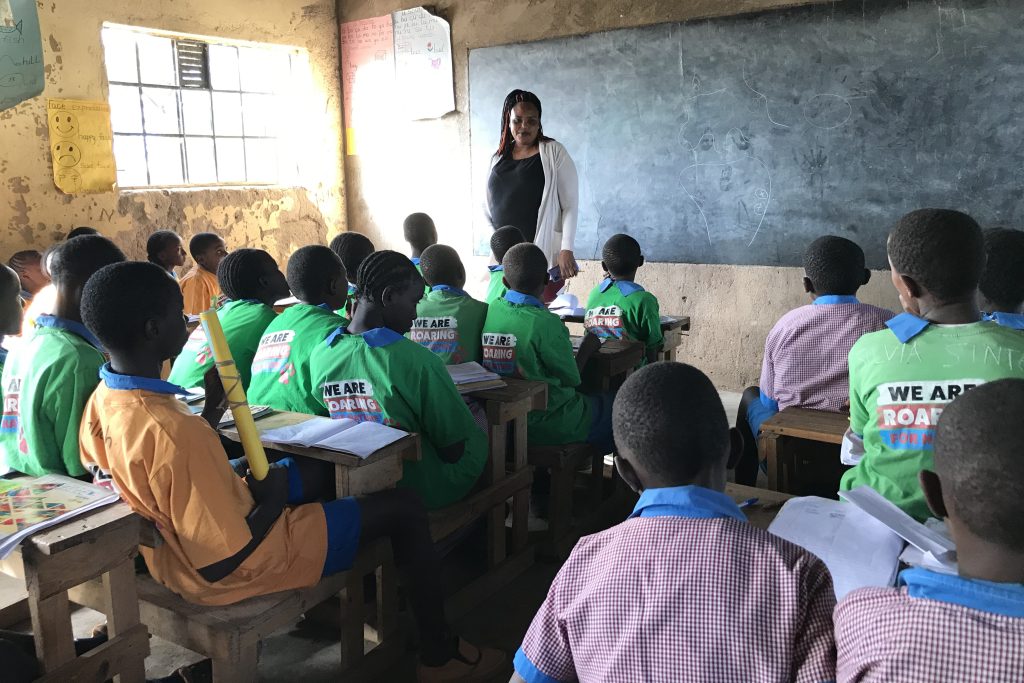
<point>732,307</point>
<point>276,219</point>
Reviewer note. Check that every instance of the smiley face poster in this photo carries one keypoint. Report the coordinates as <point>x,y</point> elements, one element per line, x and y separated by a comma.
<point>81,146</point>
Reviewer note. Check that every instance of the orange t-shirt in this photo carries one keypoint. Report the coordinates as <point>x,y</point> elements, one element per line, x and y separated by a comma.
<point>198,286</point>
<point>170,467</point>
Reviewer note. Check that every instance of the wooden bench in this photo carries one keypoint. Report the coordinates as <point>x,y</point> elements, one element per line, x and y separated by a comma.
<point>779,434</point>
<point>563,463</point>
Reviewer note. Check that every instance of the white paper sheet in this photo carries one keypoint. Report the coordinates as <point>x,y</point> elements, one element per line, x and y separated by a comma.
<point>465,373</point>
<point>345,436</point>
<point>921,537</point>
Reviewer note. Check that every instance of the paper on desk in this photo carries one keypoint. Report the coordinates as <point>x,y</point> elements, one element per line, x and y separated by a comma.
<point>464,373</point>
<point>287,301</point>
<point>345,436</point>
<point>858,550</point>
<point>566,304</point>
<point>918,535</point>
<point>667,319</point>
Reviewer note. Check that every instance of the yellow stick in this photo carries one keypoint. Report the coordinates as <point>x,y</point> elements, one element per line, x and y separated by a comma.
<point>232,382</point>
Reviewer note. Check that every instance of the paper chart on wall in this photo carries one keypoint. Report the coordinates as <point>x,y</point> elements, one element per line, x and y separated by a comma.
<point>367,73</point>
<point>423,64</point>
<point>81,146</point>
<point>21,52</point>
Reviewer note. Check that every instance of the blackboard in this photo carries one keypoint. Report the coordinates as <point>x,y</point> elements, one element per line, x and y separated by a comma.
<point>739,140</point>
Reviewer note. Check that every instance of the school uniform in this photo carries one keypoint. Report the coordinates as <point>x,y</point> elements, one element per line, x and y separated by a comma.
<point>169,466</point>
<point>380,376</point>
<point>244,322</point>
<point>198,287</point>
<point>622,309</point>
<point>496,284</point>
<point>684,590</point>
<point>448,323</point>
<point>900,379</point>
<point>934,627</point>
<point>46,383</point>
<point>280,368</point>
<point>1014,321</point>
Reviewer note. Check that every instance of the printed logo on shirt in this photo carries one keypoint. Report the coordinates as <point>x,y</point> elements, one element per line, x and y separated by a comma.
<point>605,322</point>
<point>353,399</point>
<point>12,396</point>
<point>198,345</point>
<point>440,335</point>
<point>909,411</point>
<point>273,355</point>
<point>499,352</point>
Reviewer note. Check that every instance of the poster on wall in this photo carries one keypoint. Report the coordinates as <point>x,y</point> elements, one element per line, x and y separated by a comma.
<point>21,52</point>
<point>367,72</point>
<point>423,64</point>
<point>81,146</point>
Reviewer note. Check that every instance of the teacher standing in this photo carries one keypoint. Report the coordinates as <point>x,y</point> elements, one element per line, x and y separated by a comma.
<point>533,183</point>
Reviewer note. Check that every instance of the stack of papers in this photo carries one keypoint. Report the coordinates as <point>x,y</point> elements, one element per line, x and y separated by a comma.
<point>566,305</point>
<point>287,301</point>
<point>473,377</point>
<point>228,419</point>
<point>193,396</point>
<point>668,320</point>
<point>361,439</point>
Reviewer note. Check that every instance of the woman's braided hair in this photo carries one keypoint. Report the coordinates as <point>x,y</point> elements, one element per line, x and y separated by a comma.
<point>383,269</point>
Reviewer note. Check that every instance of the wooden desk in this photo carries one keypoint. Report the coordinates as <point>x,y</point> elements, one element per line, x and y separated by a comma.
<point>101,544</point>
<point>768,504</point>
<point>672,331</point>
<point>778,431</point>
<point>611,364</point>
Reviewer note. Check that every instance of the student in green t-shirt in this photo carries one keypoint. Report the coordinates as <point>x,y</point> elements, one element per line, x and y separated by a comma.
<point>10,307</point>
<point>901,378</point>
<point>352,248</point>
<point>523,339</point>
<point>48,379</point>
<point>619,308</point>
<point>372,373</point>
<point>252,282</point>
<point>280,369</point>
<point>448,320</point>
<point>502,239</point>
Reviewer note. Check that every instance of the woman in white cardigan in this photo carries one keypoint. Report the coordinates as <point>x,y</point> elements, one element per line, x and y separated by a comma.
<point>533,183</point>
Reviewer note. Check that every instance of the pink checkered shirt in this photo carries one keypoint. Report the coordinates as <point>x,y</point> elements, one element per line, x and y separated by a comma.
<point>677,598</point>
<point>805,353</point>
<point>887,634</point>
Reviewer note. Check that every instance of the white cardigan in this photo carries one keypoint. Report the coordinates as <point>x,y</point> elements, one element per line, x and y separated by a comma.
<point>559,203</point>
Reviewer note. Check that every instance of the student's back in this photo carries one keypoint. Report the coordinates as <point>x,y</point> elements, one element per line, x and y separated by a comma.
<point>448,320</point>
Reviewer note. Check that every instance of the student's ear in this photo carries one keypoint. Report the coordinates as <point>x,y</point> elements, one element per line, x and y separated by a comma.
<point>808,285</point>
<point>504,281</point>
<point>151,329</point>
<point>387,296</point>
<point>628,474</point>
<point>867,276</point>
<point>604,268</point>
<point>642,261</point>
<point>931,486</point>
<point>735,448</point>
<point>910,286</point>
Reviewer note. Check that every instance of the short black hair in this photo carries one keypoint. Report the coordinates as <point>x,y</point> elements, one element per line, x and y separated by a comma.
<point>20,260</point>
<point>310,268</point>
<point>383,269</point>
<point>158,241</point>
<point>1002,282</point>
<point>670,418</point>
<point>977,457</point>
<point>75,261</point>
<point>81,231</point>
<point>441,265</point>
<point>503,239</point>
<point>834,265</point>
<point>352,248</point>
<point>201,242</point>
<point>239,273</point>
<point>419,230</point>
<point>621,255</point>
<point>526,267</point>
<point>120,297</point>
<point>941,249</point>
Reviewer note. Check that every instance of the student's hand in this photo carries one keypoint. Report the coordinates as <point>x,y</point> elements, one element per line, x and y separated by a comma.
<point>567,264</point>
<point>273,490</point>
<point>216,400</point>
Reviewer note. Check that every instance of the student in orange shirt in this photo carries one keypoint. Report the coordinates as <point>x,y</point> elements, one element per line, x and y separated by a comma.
<point>228,538</point>
<point>199,285</point>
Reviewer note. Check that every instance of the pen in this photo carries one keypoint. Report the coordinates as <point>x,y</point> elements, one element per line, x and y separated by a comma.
<point>748,502</point>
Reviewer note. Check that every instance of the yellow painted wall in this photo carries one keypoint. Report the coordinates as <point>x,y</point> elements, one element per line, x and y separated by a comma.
<point>277,219</point>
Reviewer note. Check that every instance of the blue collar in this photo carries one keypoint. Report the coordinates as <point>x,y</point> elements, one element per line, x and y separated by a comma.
<point>333,336</point>
<point>448,288</point>
<point>129,382</point>
<point>71,326</point>
<point>325,307</point>
<point>1006,599</point>
<point>686,501</point>
<point>826,299</point>
<point>625,286</point>
<point>415,260</point>
<point>906,326</point>
<point>514,297</point>
<point>496,269</point>
<point>377,337</point>
<point>1015,321</point>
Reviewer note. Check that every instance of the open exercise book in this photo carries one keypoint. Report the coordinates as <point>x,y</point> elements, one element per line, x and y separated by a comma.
<point>473,377</point>
<point>31,504</point>
<point>361,439</point>
<point>860,541</point>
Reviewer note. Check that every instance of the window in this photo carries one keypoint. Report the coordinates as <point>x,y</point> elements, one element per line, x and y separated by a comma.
<point>189,111</point>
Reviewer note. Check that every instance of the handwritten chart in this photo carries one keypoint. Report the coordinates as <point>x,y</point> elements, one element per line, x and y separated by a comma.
<point>81,146</point>
<point>367,69</point>
<point>21,52</point>
<point>423,63</point>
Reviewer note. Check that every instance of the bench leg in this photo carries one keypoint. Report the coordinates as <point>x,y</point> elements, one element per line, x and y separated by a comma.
<point>123,614</point>
<point>770,448</point>
<point>237,670</point>
<point>596,479</point>
<point>496,516</point>
<point>352,619</point>
<point>387,597</point>
<point>521,500</point>
<point>560,505</point>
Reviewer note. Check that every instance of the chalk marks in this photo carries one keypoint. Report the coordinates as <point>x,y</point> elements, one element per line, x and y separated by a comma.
<point>763,99</point>
<point>827,111</point>
<point>732,196</point>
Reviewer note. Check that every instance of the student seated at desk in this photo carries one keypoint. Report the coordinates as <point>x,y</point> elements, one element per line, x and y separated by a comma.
<point>502,239</point>
<point>448,320</point>
<point>966,628</point>
<point>227,538</point>
<point>805,353</point>
<point>45,300</point>
<point>901,378</point>
<point>165,249</point>
<point>10,311</point>
<point>352,248</point>
<point>1001,290</point>
<point>685,589</point>
<point>619,308</point>
<point>252,282</point>
<point>280,370</point>
<point>420,232</point>
<point>200,285</point>
<point>370,372</point>
<point>29,267</point>
<point>522,338</point>
<point>47,379</point>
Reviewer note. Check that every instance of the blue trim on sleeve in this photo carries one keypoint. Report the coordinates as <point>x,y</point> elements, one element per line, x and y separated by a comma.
<point>130,382</point>
<point>71,326</point>
<point>1014,321</point>
<point>529,671</point>
<point>758,412</point>
<point>344,526</point>
<point>496,269</point>
<point>686,501</point>
<point>514,297</point>
<point>1006,599</point>
<point>906,326</point>
<point>835,299</point>
<point>295,492</point>
<point>448,288</point>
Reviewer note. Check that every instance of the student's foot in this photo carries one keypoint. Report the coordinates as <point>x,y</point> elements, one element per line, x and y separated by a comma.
<point>471,663</point>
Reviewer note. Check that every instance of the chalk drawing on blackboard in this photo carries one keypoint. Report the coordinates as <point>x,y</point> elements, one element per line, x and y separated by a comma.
<point>731,196</point>
<point>13,34</point>
<point>827,111</point>
<point>761,98</point>
<point>814,163</point>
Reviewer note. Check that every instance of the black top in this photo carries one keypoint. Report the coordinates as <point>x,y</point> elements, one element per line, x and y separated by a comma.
<point>514,190</point>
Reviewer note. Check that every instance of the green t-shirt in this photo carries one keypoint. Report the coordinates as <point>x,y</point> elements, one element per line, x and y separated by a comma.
<point>449,322</point>
<point>496,288</point>
<point>46,384</point>
<point>381,376</point>
<point>523,339</point>
<point>898,390</point>
<point>619,309</point>
<point>244,322</point>
<point>280,369</point>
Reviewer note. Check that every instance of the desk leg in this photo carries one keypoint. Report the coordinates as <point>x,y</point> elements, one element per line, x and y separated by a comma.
<point>51,626</point>
<point>769,446</point>
<point>123,614</point>
<point>496,515</point>
<point>521,500</point>
<point>353,617</point>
